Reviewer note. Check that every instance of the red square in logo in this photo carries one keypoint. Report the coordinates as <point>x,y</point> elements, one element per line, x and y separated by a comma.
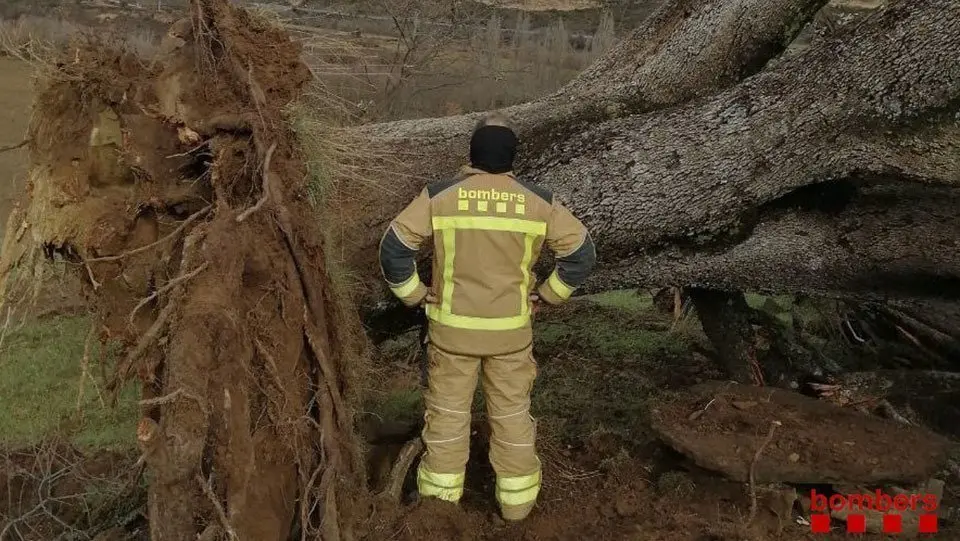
<point>928,524</point>
<point>892,523</point>
<point>856,523</point>
<point>820,523</point>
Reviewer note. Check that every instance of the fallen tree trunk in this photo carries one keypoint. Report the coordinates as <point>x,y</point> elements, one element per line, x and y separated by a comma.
<point>883,240</point>
<point>832,172</point>
<point>687,49</point>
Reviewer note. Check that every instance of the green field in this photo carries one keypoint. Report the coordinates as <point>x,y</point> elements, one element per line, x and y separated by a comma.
<point>40,377</point>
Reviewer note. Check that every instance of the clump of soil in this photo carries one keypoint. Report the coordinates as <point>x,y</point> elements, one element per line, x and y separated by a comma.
<point>178,192</point>
<point>722,426</point>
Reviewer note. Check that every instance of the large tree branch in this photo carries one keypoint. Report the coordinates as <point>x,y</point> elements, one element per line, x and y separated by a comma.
<point>652,179</point>
<point>688,49</point>
<point>858,241</point>
<point>665,192</point>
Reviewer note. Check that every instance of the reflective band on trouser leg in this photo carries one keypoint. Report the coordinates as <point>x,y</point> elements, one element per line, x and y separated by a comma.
<point>520,490</point>
<point>446,486</point>
<point>451,382</point>
<point>561,289</point>
<point>507,383</point>
<point>408,287</point>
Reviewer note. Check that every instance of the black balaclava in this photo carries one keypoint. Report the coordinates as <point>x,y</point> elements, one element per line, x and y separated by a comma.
<point>492,149</point>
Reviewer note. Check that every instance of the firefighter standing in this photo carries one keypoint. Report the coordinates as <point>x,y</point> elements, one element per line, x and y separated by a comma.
<point>488,229</point>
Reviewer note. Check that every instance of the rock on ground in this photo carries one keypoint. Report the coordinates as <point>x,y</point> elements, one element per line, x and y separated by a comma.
<point>815,442</point>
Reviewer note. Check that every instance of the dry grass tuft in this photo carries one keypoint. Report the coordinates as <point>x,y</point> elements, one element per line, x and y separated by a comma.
<point>37,40</point>
<point>337,161</point>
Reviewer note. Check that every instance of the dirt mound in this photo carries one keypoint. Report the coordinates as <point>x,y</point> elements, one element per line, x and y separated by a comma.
<point>721,426</point>
<point>179,194</point>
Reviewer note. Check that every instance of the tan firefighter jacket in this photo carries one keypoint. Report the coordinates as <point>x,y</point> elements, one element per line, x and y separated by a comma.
<point>488,231</point>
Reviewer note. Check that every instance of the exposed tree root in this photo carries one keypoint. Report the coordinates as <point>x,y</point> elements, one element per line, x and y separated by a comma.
<point>228,317</point>
<point>167,288</point>
<point>265,186</point>
<point>398,473</point>
<point>17,146</point>
<point>85,369</point>
<point>173,234</point>
<point>753,470</point>
<point>215,502</point>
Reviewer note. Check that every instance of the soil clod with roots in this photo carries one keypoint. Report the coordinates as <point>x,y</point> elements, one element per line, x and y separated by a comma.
<point>178,190</point>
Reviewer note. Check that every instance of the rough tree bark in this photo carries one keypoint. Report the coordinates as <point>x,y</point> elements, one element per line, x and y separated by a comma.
<point>726,322</point>
<point>832,172</point>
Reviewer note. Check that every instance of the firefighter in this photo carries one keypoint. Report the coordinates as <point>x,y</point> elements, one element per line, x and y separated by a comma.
<point>488,228</point>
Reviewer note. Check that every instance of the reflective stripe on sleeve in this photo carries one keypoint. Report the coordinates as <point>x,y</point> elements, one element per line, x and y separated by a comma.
<point>408,287</point>
<point>556,284</point>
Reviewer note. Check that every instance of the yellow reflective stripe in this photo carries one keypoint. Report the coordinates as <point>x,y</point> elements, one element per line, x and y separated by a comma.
<point>522,482</point>
<point>446,486</point>
<point>525,269</point>
<point>518,490</point>
<point>449,250</point>
<point>442,480</point>
<point>520,497</point>
<point>556,284</point>
<point>449,225</point>
<point>408,287</point>
<point>490,223</point>
<point>477,323</point>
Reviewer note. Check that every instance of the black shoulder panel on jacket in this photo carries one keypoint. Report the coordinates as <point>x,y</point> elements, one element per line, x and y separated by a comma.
<point>437,187</point>
<point>541,192</point>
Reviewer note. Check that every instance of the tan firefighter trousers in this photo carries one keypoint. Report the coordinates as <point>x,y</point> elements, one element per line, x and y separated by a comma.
<point>507,383</point>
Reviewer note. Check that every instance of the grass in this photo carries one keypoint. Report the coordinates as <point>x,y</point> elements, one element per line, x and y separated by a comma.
<point>629,300</point>
<point>601,360</point>
<point>617,324</point>
<point>400,406</point>
<point>608,339</point>
<point>40,373</point>
<point>603,363</point>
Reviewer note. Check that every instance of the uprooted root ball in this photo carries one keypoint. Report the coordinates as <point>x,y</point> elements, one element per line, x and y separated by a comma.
<point>178,191</point>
